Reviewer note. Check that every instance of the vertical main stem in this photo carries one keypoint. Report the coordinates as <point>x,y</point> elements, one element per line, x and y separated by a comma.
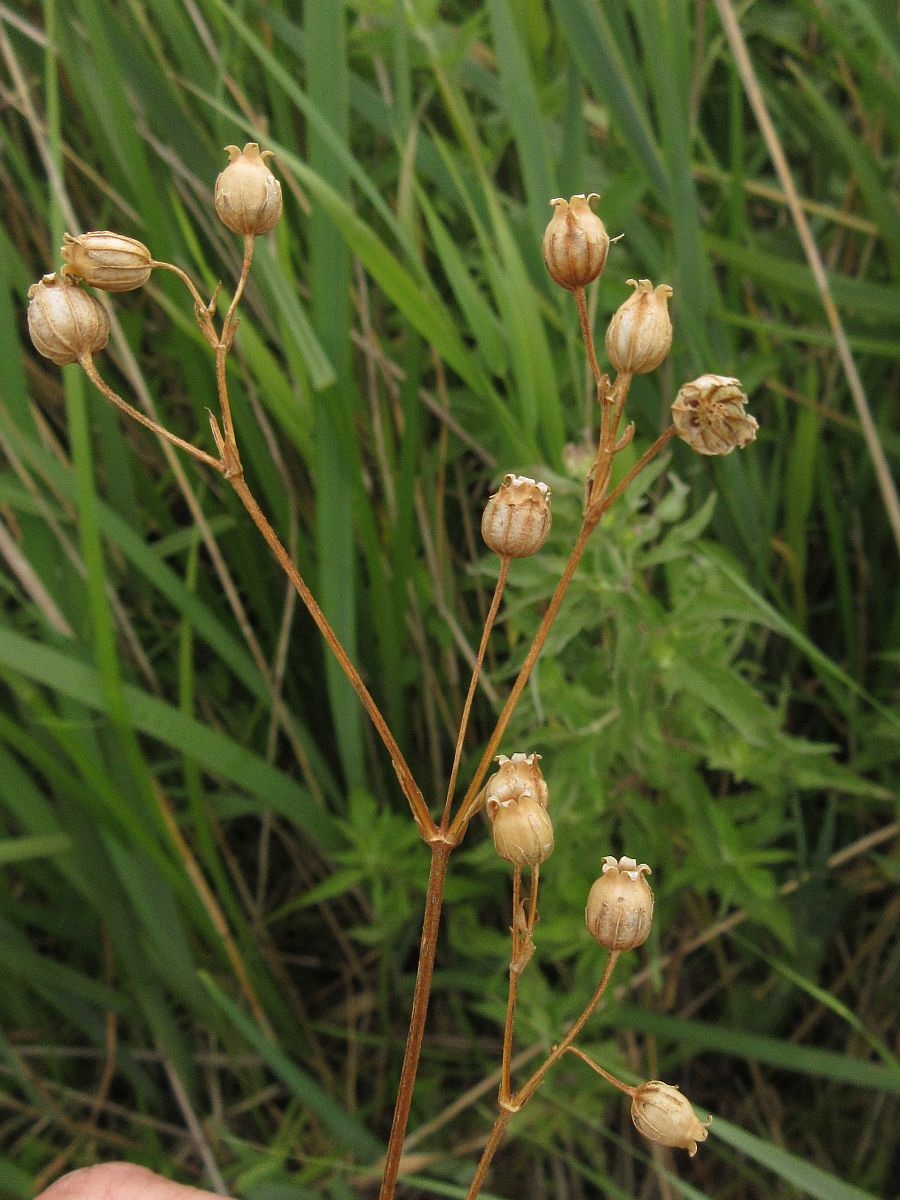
<point>440,854</point>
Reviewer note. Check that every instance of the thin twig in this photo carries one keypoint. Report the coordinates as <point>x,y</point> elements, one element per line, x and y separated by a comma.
<point>405,776</point>
<point>473,684</point>
<point>524,1094</point>
<point>229,327</point>
<point>87,364</point>
<point>586,1058</point>
<point>587,335</point>
<point>522,949</point>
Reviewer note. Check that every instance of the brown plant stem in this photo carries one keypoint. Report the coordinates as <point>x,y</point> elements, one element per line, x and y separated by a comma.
<point>464,813</point>
<point>202,311</point>
<point>476,672</point>
<point>593,515</point>
<point>524,1094</point>
<point>487,1155</point>
<point>88,366</point>
<point>229,327</point>
<point>408,784</point>
<point>617,1083</point>
<point>606,502</point>
<point>587,335</point>
<point>522,949</point>
<point>440,854</point>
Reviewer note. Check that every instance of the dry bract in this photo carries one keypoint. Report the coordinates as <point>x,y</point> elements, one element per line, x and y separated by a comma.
<point>65,322</point>
<point>248,196</point>
<point>517,518</point>
<point>708,414</point>
<point>639,335</point>
<point>619,910</point>
<point>106,260</point>
<point>575,242</point>
<point>663,1114</point>
<point>516,798</point>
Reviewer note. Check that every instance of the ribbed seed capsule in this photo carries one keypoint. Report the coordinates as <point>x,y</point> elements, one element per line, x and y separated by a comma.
<point>639,335</point>
<point>248,196</point>
<point>708,414</point>
<point>105,260</point>
<point>523,832</point>
<point>517,518</point>
<point>516,798</point>
<point>664,1115</point>
<point>575,242</point>
<point>619,909</point>
<point>64,321</point>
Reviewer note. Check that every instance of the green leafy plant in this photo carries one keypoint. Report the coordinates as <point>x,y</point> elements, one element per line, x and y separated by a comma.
<point>658,655</point>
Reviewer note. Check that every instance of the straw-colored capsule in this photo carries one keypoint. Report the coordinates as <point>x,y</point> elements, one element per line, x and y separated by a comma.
<point>516,520</point>
<point>639,335</point>
<point>708,414</point>
<point>248,196</point>
<point>663,1114</point>
<point>65,322</point>
<point>516,798</point>
<point>105,260</point>
<point>619,909</point>
<point>575,242</point>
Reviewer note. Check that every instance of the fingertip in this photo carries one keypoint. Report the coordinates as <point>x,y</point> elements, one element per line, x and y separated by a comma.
<point>101,1182</point>
<point>118,1181</point>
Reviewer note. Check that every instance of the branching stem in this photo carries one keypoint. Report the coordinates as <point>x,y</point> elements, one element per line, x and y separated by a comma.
<point>404,775</point>
<point>89,367</point>
<point>617,1083</point>
<point>524,1094</point>
<point>476,672</point>
<point>522,949</point>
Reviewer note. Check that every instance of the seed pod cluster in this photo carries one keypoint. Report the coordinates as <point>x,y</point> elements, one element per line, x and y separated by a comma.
<point>708,414</point>
<point>663,1114</point>
<point>639,335</point>
<point>516,798</point>
<point>64,322</point>
<point>247,195</point>
<point>619,909</point>
<point>517,518</point>
<point>575,242</point>
<point>105,260</point>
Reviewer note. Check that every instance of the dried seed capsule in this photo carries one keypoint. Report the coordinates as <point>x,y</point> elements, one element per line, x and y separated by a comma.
<point>516,519</point>
<point>619,910</point>
<point>640,333</point>
<point>105,260</point>
<point>708,414</point>
<point>523,832</point>
<point>661,1113</point>
<point>516,798</point>
<point>516,778</point>
<point>64,321</point>
<point>248,196</point>
<point>575,242</point>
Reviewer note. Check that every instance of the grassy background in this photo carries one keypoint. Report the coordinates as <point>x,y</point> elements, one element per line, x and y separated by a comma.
<point>213,893</point>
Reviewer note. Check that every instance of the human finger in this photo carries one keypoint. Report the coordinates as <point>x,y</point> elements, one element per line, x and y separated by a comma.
<point>119,1181</point>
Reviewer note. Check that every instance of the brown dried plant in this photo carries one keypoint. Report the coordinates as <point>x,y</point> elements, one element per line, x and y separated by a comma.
<point>69,325</point>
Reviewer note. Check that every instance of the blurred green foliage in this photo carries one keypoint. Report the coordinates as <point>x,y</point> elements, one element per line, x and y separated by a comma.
<point>716,695</point>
